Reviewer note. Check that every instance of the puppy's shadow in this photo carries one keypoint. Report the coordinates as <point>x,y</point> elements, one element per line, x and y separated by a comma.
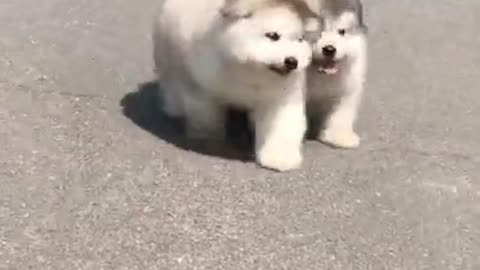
<point>142,107</point>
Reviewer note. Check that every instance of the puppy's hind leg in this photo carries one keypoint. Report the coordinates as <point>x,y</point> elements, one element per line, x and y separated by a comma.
<point>170,99</point>
<point>205,118</point>
<point>279,132</point>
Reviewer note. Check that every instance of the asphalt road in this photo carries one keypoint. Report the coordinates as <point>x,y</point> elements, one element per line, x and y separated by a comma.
<point>92,177</point>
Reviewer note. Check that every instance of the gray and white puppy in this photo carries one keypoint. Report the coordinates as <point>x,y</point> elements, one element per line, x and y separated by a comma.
<point>337,74</point>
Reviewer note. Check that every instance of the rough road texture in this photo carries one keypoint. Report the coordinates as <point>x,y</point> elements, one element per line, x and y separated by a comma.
<point>91,182</point>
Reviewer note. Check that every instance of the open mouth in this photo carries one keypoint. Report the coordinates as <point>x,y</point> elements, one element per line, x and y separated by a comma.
<point>327,66</point>
<point>280,70</point>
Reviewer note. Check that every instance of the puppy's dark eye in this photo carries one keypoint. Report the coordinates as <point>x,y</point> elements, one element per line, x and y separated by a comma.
<point>342,32</point>
<point>273,36</point>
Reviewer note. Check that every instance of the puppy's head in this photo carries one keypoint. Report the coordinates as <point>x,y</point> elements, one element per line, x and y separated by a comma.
<point>336,40</point>
<point>270,40</point>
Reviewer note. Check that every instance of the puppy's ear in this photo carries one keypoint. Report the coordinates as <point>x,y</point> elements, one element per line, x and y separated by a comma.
<point>361,18</point>
<point>309,7</point>
<point>226,14</point>
<point>236,9</point>
<point>228,19</point>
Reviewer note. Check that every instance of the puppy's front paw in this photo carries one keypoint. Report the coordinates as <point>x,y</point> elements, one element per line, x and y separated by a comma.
<point>340,138</point>
<point>280,158</point>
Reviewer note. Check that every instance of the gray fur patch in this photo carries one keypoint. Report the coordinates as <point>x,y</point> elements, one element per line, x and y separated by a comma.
<point>338,7</point>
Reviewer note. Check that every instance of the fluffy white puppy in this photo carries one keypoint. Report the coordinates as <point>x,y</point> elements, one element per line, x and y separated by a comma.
<point>206,62</point>
<point>337,74</point>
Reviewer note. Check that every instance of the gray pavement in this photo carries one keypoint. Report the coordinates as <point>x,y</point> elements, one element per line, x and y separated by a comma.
<point>90,182</point>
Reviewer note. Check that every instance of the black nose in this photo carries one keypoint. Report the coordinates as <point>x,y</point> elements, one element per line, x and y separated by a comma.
<point>329,51</point>
<point>291,63</point>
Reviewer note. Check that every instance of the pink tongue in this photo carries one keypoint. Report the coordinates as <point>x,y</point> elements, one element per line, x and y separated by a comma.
<point>328,68</point>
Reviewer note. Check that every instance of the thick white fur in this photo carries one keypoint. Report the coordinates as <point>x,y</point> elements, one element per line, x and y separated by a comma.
<point>205,62</point>
<point>340,92</point>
